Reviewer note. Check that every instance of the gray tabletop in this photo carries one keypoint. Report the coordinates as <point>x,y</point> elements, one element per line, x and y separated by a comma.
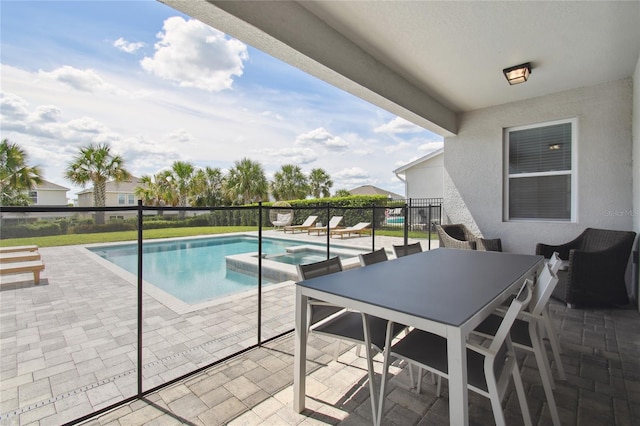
<point>458,282</point>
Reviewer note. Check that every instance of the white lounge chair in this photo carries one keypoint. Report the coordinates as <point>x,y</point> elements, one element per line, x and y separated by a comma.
<point>358,229</point>
<point>311,220</point>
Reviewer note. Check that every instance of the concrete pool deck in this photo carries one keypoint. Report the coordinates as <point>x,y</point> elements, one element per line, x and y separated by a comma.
<point>69,344</point>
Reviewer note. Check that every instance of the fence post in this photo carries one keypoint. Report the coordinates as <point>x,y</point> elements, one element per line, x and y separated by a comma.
<point>429,224</point>
<point>373,227</point>
<point>259,273</point>
<point>328,229</point>
<point>406,224</point>
<point>140,224</point>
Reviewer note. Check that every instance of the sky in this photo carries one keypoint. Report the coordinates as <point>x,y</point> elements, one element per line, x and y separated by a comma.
<point>158,87</point>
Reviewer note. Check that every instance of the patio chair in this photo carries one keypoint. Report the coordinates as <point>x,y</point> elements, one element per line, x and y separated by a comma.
<point>358,229</point>
<point>333,224</point>
<point>458,236</point>
<point>335,321</point>
<point>525,334</point>
<point>405,250</point>
<point>596,264</point>
<point>488,368</point>
<point>379,255</point>
<point>308,223</point>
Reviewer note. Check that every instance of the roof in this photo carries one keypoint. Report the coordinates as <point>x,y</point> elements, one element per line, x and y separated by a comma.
<point>438,58</point>
<point>50,186</point>
<point>124,187</point>
<point>373,190</point>
<point>422,159</point>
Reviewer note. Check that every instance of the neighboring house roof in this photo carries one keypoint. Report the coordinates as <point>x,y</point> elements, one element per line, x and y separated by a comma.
<point>373,190</point>
<point>45,184</point>
<point>125,187</point>
<point>427,157</point>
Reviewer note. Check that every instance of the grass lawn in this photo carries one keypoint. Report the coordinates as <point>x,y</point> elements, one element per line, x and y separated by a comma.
<point>108,237</point>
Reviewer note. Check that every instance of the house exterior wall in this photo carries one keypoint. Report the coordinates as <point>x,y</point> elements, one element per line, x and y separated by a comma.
<point>51,197</point>
<point>473,183</point>
<point>424,180</point>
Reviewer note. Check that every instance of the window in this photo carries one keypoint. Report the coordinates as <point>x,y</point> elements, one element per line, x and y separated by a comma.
<point>540,171</point>
<point>121,199</point>
<point>131,199</point>
<point>33,197</point>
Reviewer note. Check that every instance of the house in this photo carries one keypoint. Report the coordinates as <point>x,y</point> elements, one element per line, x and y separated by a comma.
<point>443,66</point>
<point>117,194</point>
<point>374,190</point>
<point>48,194</point>
<point>423,178</point>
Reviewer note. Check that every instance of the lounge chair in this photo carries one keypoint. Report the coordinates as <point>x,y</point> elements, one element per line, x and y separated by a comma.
<point>18,248</point>
<point>333,224</point>
<point>359,229</point>
<point>19,256</point>
<point>35,266</point>
<point>311,220</point>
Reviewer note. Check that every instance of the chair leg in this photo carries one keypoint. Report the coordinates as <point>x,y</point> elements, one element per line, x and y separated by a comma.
<point>522,397</point>
<point>358,350</point>
<point>439,386</point>
<point>545,374</point>
<point>555,344</point>
<point>336,352</point>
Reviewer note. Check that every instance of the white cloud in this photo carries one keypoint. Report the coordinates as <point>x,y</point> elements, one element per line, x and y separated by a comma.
<point>290,155</point>
<point>13,107</point>
<point>397,147</point>
<point>321,136</point>
<point>352,177</point>
<point>85,80</point>
<point>47,113</point>
<point>430,146</point>
<point>127,46</point>
<point>398,125</point>
<point>180,136</point>
<point>193,54</point>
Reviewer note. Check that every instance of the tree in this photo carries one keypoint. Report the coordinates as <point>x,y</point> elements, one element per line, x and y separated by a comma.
<point>95,163</point>
<point>16,177</point>
<point>176,185</point>
<point>208,188</point>
<point>246,182</point>
<point>320,183</point>
<point>289,183</point>
<point>342,193</point>
<point>150,192</point>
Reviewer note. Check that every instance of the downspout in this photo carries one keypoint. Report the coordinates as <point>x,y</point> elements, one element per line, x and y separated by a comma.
<point>406,190</point>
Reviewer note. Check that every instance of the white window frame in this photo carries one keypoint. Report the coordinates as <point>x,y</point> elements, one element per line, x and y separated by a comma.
<point>122,199</point>
<point>33,196</point>
<point>131,199</point>
<point>573,173</point>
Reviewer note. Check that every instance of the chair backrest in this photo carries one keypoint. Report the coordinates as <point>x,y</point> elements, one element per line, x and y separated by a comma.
<point>335,220</point>
<point>359,226</point>
<point>405,250</point>
<point>318,269</point>
<point>555,262</point>
<point>379,255</point>
<point>522,299</point>
<point>542,290</point>
<point>456,231</point>
<point>310,221</point>
<point>594,239</point>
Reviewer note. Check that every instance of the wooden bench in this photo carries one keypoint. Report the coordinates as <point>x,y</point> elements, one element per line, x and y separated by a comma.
<point>35,266</point>
<point>18,248</point>
<point>19,256</point>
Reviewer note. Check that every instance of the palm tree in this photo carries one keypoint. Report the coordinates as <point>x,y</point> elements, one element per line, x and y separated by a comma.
<point>320,183</point>
<point>16,177</point>
<point>342,193</point>
<point>150,192</point>
<point>95,163</point>
<point>246,182</point>
<point>208,188</point>
<point>289,183</point>
<point>176,185</point>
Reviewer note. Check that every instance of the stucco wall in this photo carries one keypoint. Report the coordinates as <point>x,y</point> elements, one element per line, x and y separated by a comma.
<point>52,198</point>
<point>474,164</point>
<point>424,180</point>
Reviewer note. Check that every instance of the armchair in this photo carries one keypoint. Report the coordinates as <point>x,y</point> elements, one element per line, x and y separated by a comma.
<point>597,262</point>
<point>458,236</point>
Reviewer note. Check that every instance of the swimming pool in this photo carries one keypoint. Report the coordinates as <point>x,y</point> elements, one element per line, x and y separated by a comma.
<point>195,270</point>
<point>396,219</point>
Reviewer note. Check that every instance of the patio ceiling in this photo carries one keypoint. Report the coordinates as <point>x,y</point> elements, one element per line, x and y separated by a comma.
<point>427,61</point>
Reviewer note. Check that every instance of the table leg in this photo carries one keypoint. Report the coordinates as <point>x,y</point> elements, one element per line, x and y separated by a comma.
<point>300,354</point>
<point>458,395</point>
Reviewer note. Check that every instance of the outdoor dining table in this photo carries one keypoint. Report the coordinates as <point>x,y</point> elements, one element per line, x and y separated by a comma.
<point>448,292</point>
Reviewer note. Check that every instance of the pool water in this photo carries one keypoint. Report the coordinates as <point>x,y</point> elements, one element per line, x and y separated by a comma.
<point>195,270</point>
<point>399,219</point>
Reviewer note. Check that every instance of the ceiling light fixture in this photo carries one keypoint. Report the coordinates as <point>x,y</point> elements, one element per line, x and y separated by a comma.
<point>517,74</point>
